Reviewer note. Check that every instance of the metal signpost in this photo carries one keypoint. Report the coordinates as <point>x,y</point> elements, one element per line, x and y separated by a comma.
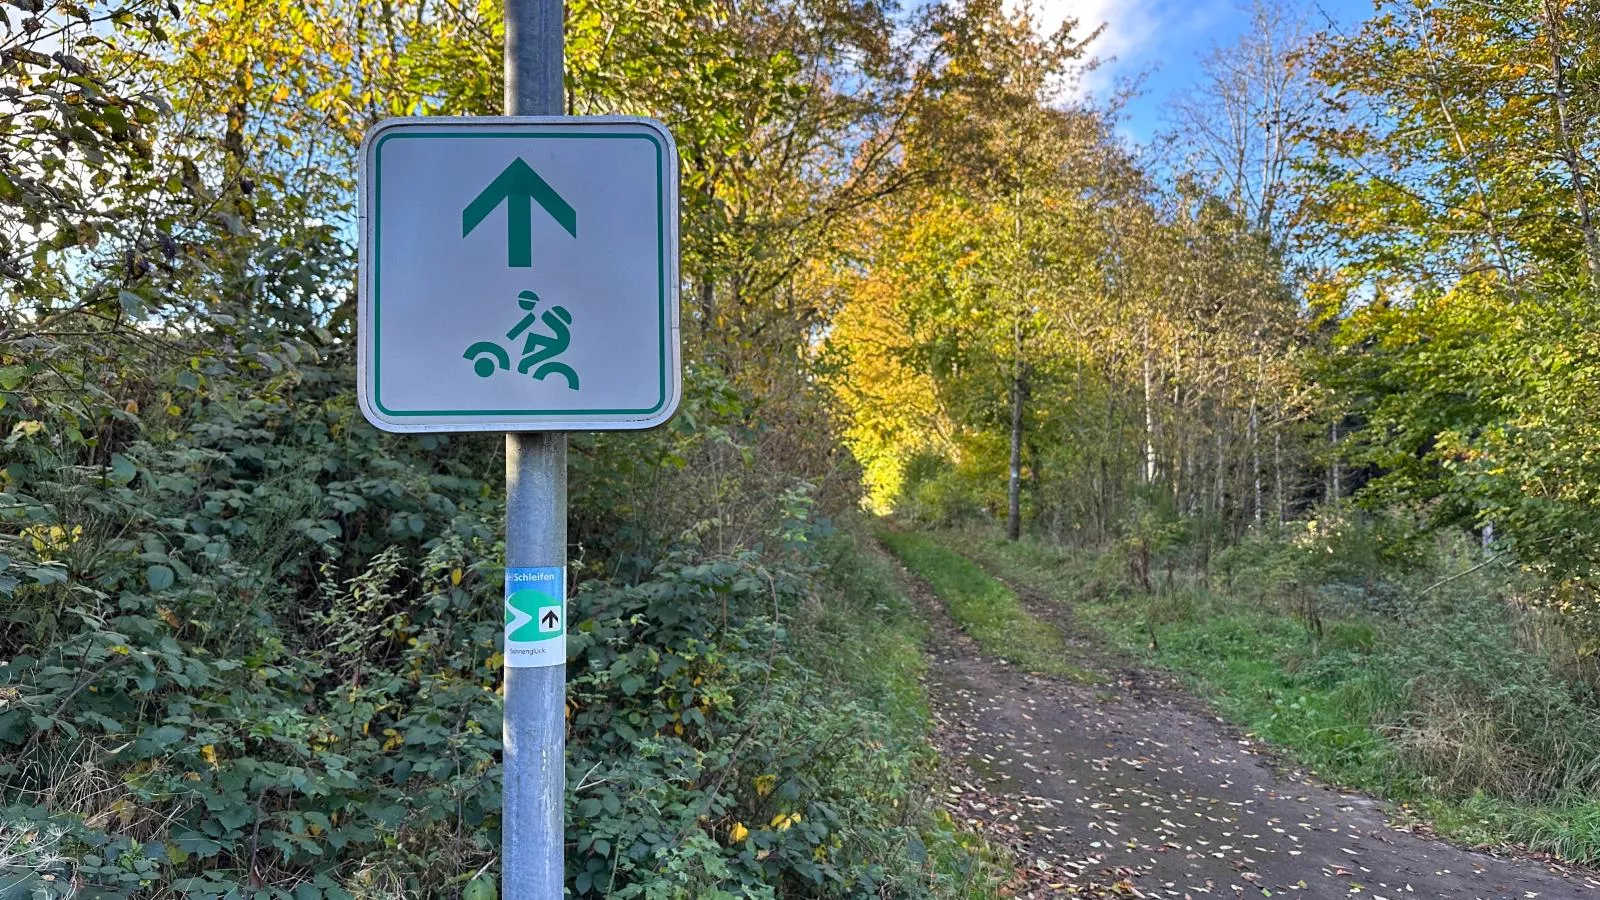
<point>520,274</point>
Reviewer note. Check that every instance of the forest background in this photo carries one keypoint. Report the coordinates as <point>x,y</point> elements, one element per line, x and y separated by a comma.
<point>1308,384</point>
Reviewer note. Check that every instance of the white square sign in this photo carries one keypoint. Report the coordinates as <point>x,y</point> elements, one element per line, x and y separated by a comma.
<point>518,274</point>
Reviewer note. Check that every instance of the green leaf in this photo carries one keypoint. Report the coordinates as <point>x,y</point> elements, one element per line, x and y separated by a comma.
<point>160,577</point>
<point>48,573</point>
<point>122,469</point>
<point>197,843</point>
<point>480,888</point>
<point>132,304</point>
<point>234,817</point>
<point>11,376</point>
<point>916,851</point>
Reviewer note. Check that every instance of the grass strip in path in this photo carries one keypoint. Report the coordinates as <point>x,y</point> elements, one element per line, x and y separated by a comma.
<point>984,607</point>
<point>1259,668</point>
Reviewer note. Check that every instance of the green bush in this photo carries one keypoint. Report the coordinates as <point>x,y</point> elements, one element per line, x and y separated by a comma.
<point>937,492</point>
<point>693,725</point>
<point>249,644</point>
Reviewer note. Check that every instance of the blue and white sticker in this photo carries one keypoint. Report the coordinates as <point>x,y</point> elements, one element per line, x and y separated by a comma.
<point>536,617</point>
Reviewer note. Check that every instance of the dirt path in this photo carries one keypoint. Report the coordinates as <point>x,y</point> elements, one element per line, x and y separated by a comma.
<point>1132,789</point>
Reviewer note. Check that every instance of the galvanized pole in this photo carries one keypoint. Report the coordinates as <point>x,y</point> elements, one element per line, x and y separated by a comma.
<point>534,730</point>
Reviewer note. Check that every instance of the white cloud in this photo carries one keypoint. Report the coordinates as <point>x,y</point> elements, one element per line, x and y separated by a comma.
<point>1137,33</point>
<point>1129,27</point>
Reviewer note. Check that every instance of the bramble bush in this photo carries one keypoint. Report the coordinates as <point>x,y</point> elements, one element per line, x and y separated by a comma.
<point>248,645</point>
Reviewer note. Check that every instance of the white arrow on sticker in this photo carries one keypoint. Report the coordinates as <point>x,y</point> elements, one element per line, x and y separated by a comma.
<point>515,618</point>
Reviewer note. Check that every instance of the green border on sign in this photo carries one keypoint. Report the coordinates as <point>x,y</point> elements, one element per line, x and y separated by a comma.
<point>377,269</point>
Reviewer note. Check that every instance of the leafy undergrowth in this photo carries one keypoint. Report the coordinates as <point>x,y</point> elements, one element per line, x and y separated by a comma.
<point>1444,711</point>
<point>984,608</point>
<point>709,757</point>
<point>249,646</point>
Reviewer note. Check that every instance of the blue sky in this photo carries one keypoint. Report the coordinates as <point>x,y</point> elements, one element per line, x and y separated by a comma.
<point>1164,40</point>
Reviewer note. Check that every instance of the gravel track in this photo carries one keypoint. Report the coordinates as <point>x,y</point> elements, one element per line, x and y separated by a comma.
<point>1131,788</point>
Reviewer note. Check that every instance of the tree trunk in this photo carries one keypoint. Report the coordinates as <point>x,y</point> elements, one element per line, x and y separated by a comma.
<point>1018,389</point>
<point>1191,466</point>
<point>1149,415</point>
<point>1111,471</point>
<point>1334,487</point>
<point>1014,494</point>
<point>1036,482</point>
<point>1178,437</point>
<point>708,308</point>
<point>1558,75</point>
<point>1222,469</point>
<point>1277,472</point>
<point>1255,457</point>
<point>1178,482</point>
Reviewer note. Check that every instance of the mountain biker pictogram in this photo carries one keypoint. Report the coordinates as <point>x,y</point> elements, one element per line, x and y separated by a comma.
<point>538,349</point>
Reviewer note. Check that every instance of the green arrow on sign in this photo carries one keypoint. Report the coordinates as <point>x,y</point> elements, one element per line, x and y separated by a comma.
<point>518,185</point>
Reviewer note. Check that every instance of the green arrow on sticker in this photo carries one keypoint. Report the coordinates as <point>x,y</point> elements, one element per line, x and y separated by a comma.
<point>519,185</point>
